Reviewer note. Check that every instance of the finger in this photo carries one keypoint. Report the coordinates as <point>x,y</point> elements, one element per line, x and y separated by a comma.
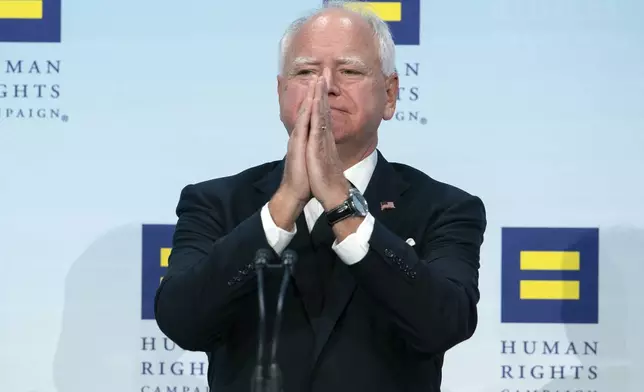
<point>304,115</point>
<point>300,135</point>
<point>326,110</point>
<point>325,100</point>
<point>307,104</point>
<point>316,118</point>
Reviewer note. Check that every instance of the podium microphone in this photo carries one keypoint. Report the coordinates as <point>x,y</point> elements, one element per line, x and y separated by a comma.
<point>262,257</point>
<point>289,257</point>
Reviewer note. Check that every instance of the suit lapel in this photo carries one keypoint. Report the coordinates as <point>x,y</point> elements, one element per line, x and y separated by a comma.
<point>269,183</point>
<point>385,185</point>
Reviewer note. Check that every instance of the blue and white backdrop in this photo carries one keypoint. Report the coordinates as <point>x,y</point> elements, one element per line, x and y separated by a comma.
<point>108,108</point>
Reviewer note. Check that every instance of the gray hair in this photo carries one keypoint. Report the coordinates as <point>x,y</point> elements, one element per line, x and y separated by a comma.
<point>381,32</point>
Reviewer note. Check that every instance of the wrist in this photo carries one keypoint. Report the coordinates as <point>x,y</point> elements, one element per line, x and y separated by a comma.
<point>335,197</point>
<point>285,209</point>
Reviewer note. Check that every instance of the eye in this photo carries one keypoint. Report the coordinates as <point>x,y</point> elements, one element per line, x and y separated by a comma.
<point>351,72</point>
<point>304,72</point>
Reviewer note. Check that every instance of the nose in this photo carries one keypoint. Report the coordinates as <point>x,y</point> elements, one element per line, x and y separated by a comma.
<point>331,86</point>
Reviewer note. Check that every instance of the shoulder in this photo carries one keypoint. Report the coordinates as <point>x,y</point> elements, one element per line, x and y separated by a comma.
<point>441,201</point>
<point>243,178</point>
<point>226,187</point>
<point>422,183</point>
<point>439,197</point>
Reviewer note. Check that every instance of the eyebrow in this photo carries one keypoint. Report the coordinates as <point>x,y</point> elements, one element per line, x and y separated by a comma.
<point>350,60</point>
<point>299,61</point>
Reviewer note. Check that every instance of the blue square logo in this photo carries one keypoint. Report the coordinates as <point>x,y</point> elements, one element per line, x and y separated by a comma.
<point>550,275</point>
<point>402,16</point>
<point>30,20</point>
<point>156,247</point>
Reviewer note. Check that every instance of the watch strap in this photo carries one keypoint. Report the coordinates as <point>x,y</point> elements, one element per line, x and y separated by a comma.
<point>340,212</point>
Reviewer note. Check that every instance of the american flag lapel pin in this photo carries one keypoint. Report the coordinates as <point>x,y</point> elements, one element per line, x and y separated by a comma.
<point>387,205</point>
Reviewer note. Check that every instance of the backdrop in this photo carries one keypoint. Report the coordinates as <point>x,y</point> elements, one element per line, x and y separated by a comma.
<point>109,108</point>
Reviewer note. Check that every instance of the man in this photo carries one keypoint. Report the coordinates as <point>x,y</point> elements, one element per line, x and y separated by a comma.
<point>378,296</point>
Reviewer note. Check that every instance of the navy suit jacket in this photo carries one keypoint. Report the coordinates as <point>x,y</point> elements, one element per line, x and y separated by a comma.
<point>387,320</point>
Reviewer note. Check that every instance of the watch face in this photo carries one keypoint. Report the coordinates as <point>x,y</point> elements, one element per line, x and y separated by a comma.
<point>359,203</point>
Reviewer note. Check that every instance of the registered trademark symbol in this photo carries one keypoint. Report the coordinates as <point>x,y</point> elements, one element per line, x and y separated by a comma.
<point>64,117</point>
<point>423,120</point>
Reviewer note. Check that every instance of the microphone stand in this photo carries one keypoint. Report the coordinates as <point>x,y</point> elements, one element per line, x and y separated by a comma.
<point>289,257</point>
<point>262,257</point>
<point>272,383</point>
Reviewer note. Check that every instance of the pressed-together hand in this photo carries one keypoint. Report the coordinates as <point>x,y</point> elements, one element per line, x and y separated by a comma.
<point>294,191</point>
<point>295,178</point>
<point>325,171</point>
<point>312,164</point>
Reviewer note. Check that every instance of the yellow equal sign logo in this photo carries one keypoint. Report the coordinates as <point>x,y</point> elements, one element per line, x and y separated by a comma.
<point>156,247</point>
<point>164,256</point>
<point>387,11</point>
<point>549,289</point>
<point>21,9</point>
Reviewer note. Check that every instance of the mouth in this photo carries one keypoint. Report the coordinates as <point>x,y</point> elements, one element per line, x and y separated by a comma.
<point>338,109</point>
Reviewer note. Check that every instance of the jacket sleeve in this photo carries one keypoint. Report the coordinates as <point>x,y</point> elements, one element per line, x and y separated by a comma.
<point>433,298</point>
<point>209,272</point>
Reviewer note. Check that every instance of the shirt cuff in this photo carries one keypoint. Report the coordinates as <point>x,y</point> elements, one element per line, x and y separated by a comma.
<point>277,237</point>
<point>356,246</point>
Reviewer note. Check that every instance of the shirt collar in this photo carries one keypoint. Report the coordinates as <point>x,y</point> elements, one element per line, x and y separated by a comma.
<point>360,173</point>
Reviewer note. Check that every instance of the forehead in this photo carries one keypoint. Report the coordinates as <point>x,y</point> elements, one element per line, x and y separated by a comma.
<point>335,33</point>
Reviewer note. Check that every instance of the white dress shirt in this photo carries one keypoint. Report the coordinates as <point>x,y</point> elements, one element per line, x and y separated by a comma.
<point>355,246</point>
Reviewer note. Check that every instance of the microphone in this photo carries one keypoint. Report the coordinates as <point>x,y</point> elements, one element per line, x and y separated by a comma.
<point>262,257</point>
<point>289,257</point>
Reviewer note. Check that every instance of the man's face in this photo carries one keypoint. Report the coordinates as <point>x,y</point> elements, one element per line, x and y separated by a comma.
<point>341,47</point>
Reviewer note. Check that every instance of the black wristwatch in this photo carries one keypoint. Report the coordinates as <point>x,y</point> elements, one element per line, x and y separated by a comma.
<point>355,205</point>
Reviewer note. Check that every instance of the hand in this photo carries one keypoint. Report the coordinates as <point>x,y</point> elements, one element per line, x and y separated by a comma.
<point>294,191</point>
<point>295,180</point>
<point>325,171</point>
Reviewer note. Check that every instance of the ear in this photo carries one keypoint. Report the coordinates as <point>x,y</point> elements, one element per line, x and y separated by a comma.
<point>392,84</point>
<point>280,84</point>
<point>281,87</point>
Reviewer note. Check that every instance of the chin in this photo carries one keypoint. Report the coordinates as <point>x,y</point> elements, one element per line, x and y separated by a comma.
<point>342,135</point>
